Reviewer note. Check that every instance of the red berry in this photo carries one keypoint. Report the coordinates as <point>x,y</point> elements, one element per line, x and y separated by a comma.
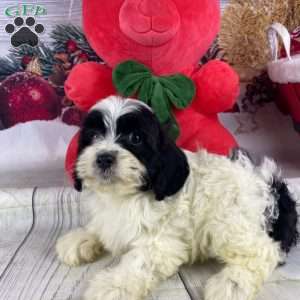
<point>83,57</point>
<point>71,46</point>
<point>73,116</point>
<point>26,60</point>
<point>24,97</point>
<point>80,58</point>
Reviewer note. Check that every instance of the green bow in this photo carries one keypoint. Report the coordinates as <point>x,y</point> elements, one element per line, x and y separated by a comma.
<point>159,92</point>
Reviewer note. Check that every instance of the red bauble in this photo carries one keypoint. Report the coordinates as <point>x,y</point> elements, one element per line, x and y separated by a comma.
<point>71,46</point>
<point>25,96</point>
<point>73,116</point>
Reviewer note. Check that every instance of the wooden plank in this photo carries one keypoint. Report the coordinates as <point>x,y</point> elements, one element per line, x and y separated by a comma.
<point>15,219</point>
<point>15,198</point>
<point>35,273</point>
<point>282,290</point>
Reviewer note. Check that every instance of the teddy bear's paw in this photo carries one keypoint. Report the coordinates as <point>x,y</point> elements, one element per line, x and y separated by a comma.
<point>78,247</point>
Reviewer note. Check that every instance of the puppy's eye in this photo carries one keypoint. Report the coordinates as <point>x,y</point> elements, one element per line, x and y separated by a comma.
<point>93,134</point>
<point>135,138</point>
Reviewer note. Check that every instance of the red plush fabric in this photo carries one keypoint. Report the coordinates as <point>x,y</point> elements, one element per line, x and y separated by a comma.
<point>216,88</point>
<point>166,35</point>
<point>216,139</point>
<point>89,82</point>
<point>291,93</point>
<point>71,156</point>
<point>169,36</point>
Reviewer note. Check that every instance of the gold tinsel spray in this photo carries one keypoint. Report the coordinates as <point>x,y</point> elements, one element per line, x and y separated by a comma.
<point>243,34</point>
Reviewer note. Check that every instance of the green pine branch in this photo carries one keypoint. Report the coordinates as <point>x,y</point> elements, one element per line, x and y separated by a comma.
<point>44,53</point>
<point>9,65</point>
<point>63,33</point>
<point>60,35</point>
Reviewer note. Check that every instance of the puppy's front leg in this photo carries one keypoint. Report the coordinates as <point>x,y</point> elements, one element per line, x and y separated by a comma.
<point>77,247</point>
<point>138,272</point>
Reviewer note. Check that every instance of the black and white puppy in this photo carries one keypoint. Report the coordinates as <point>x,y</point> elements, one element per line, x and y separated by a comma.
<point>214,207</point>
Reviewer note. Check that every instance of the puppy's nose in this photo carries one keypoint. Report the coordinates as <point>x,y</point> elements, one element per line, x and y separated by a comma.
<point>105,160</point>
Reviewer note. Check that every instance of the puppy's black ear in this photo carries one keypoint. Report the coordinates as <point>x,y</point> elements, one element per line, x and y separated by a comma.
<point>77,182</point>
<point>172,169</point>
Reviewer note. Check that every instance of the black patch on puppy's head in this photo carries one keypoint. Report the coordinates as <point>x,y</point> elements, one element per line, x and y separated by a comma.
<point>136,129</point>
<point>167,168</point>
<point>93,126</point>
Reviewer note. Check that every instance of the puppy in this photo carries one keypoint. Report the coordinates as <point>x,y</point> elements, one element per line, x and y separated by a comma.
<point>213,207</point>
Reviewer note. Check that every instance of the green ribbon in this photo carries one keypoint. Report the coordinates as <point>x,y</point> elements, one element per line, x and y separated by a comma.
<point>161,93</point>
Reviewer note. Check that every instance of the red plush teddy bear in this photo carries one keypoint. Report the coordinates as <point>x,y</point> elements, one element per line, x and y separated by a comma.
<point>168,37</point>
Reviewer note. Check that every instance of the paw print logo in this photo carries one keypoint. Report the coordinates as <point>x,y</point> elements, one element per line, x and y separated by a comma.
<point>24,32</point>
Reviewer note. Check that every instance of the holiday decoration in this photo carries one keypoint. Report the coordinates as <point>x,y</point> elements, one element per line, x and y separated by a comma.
<point>161,93</point>
<point>243,33</point>
<point>70,39</point>
<point>259,91</point>
<point>214,52</point>
<point>174,44</point>
<point>295,43</point>
<point>43,97</point>
<point>34,66</point>
<point>73,116</point>
<point>26,96</point>
<point>24,54</point>
<point>26,60</point>
<point>69,47</point>
<point>8,66</point>
<point>285,71</point>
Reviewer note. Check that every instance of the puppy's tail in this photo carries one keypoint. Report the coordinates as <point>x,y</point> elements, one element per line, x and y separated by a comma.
<point>281,214</point>
<point>282,227</point>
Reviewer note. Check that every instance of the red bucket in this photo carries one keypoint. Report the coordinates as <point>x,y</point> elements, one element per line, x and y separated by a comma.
<point>285,72</point>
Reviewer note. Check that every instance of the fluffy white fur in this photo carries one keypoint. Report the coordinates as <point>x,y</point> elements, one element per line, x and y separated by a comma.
<point>219,213</point>
<point>285,70</point>
<point>113,108</point>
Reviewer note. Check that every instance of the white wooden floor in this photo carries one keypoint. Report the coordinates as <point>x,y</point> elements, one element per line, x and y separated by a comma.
<point>31,220</point>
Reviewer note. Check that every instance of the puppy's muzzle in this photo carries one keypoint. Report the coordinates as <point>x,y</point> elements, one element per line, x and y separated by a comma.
<point>106,160</point>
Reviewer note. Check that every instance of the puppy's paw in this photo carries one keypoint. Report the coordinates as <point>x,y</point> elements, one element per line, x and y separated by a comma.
<point>78,247</point>
<point>108,286</point>
<point>95,292</point>
<point>222,287</point>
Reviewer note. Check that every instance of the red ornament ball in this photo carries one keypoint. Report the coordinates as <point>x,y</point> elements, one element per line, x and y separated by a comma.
<point>73,116</point>
<point>24,97</point>
<point>71,46</point>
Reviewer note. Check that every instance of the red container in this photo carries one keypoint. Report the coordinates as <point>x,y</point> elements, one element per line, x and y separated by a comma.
<point>285,71</point>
